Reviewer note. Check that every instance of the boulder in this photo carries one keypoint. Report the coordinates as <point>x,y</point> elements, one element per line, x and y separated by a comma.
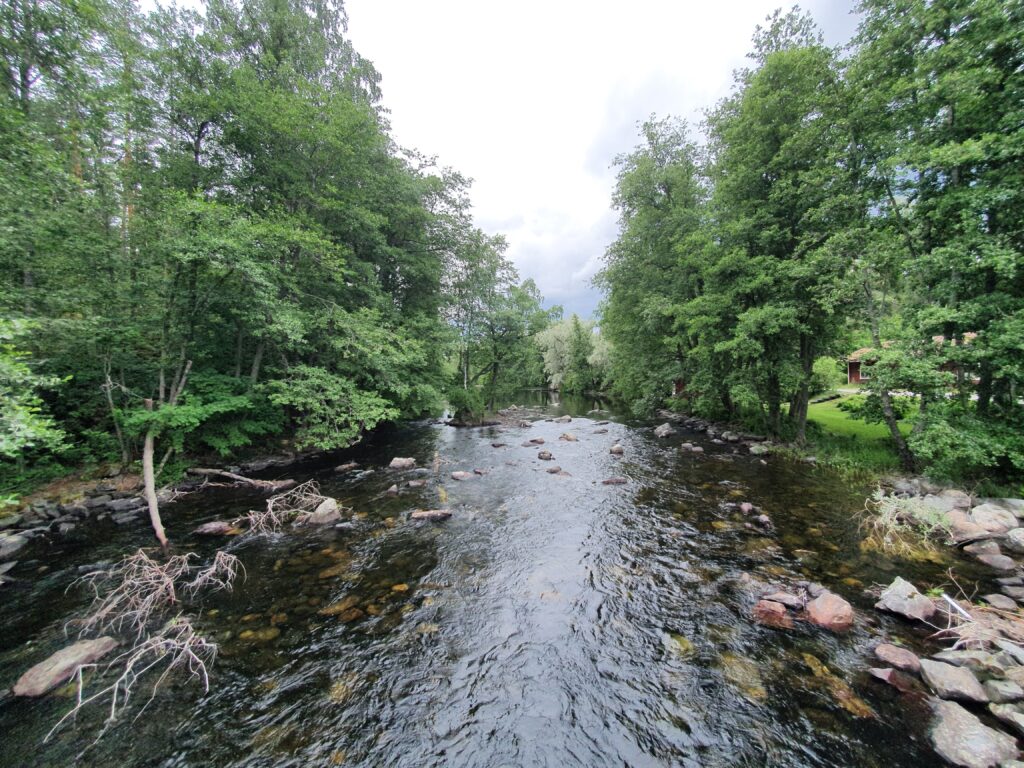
<point>563,419</point>
<point>1009,714</point>
<point>9,546</point>
<point>937,503</point>
<point>1002,602</point>
<point>978,661</point>
<point>730,437</point>
<point>458,475</point>
<point>772,614</point>
<point>964,530</point>
<point>949,682</point>
<point>47,675</point>
<point>545,455</point>
<point>760,449</point>
<point>958,499</point>
<point>664,430</point>
<point>962,739</point>
<point>898,657</point>
<point>999,562</point>
<point>616,450</point>
<point>567,437</point>
<point>1013,505</point>
<point>10,521</point>
<point>901,597</point>
<point>537,441</point>
<point>1003,691</point>
<point>1014,540</point>
<point>830,611</point>
<point>992,518</point>
<point>326,512</point>
<point>986,547</point>
<point>402,463</point>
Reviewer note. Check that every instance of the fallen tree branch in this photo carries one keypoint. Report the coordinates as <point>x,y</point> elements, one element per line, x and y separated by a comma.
<point>269,486</point>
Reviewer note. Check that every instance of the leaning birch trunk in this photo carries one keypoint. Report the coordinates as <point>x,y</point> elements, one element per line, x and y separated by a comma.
<point>149,481</point>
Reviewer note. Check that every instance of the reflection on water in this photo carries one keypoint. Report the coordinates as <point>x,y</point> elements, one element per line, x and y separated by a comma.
<point>552,621</point>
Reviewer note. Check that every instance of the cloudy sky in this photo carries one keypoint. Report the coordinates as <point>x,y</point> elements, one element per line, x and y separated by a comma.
<point>533,100</point>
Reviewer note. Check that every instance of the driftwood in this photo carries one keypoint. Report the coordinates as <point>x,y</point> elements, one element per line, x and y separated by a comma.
<point>269,486</point>
<point>431,514</point>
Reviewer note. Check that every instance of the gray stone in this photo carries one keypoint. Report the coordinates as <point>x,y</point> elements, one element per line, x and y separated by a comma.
<point>1013,505</point>
<point>459,475</point>
<point>1011,581</point>
<point>993,518</point>
<point>1017,593</point>
<point>616,450</point>
<point>951,682</point>
<point>123,505</point>
<point>563,420</point>
<point>999,562</point>
<point>664,430</point>
<point>1014,540</point>
<point>962,739</point>
<point>730,437</point>
<point>959,499</point>
<point>1003,691</point>
<point>66,528</point>
<point>1002,602</point>
<point>58,668</point>
<point>328,511</point>
<point>545,455</point>
<point>898,657</point>
<point>937,503</point>
<point>10,521</point>
<point>97,501</point>
<point>1014,650</point>
<point>901,597</point>
<point>788,600</point>
<point>987,547</point>
<point>978,661</point>
<point>1009,714</point>
<point>9,545</point>
<point>760,449</point>
<point>124,518</point>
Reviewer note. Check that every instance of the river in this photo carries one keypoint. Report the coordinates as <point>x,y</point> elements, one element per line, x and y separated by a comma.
<point>552,621</point>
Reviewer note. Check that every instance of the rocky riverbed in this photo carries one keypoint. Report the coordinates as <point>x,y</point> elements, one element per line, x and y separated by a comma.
<point>683,599</point>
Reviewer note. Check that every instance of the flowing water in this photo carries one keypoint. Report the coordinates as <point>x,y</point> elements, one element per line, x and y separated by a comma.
<point>552,621</point>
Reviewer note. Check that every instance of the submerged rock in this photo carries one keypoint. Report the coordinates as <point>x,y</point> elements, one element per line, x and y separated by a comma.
<point>962,739</point>
<point>58,668</point>
<point>462,475</point>
<point>901,597</point>
<point>217,528</point>
<point>951,682</point>
<point>772,614</point>
<point>347,467</point>
<point>830,611</point>
<point>430,514</point>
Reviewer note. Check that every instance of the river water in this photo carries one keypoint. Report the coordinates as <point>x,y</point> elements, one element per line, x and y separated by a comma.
<point>552,621</point>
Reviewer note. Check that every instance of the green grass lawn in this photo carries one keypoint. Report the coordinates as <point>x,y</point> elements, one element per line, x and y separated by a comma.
<point>847,442</point>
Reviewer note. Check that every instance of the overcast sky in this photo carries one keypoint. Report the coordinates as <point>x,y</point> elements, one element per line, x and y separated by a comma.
<point>533,100</point>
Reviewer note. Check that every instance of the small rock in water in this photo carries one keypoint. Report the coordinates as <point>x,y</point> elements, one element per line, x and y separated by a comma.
<point>898,657</point>
<point>416,483</point>
<point>554,470</point>
<point>616,450</point>
<point>348,467</point>
<point>902,597</point>
<point>567,437</point>
<point>58,668</point>
<point>537,441</point>
<point>600,431</point>
<point>545,456</point>
<point>962,739</point>
<point>697,449</point>
<point>664,430</point>
<point>430,514</point>
<point>747,508</point>
<point>901,682</point>
<point>788,600</point>
<point>458,475</point>
<point>772,614</point>
<point>217,528</point>
<point>480,472</point>
<point>563,419</point>
<point>402,463</point>
<point>392,491</point>
<point>498,445</point>
<point>614,481</point>
<point>951,682</point>
<point>830,611</point>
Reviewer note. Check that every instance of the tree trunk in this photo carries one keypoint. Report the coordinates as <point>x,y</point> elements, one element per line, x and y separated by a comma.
<point>149,481</point>
<point>801,400</point>
<point>254,374</point>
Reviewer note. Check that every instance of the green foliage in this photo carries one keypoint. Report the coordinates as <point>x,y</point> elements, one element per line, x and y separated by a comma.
<point>827,374</point>
<point>24,424</point>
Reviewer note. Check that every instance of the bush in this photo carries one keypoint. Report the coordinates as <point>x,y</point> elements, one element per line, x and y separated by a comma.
<point>826,375</point>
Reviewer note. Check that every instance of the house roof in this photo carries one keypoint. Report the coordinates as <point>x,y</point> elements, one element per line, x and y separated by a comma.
<point>856,357</point>
<point>866,352</point>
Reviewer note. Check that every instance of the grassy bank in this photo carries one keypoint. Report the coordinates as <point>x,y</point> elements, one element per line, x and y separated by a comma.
<point>839,439</point>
